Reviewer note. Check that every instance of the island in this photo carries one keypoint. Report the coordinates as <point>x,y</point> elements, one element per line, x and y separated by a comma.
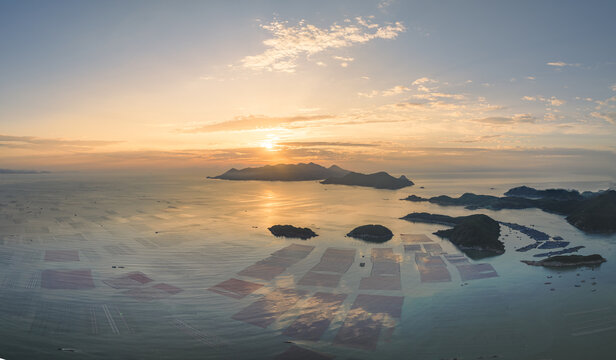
<point>568,261</point>
<point>371,233</point>
<point>476,235</point>
<point>596,215</point>
<point>284,172</point>
<point>305,172</point>
<point>22,172</point>
<point>379,180</point>
<point>291,231</point>
<point>592,212</point>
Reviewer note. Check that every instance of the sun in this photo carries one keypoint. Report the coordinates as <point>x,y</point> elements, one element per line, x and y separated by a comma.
<point>268,145</point>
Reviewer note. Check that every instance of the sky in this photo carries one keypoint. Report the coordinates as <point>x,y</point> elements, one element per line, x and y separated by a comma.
<point>374,85</point>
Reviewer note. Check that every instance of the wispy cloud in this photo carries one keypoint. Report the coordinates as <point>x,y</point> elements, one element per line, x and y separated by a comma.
<point>609,117</point>
<point>253,122</point>
<point>289,43</point>
<point>325,144</point>
<point>553,101</point>
<point>399,89</point>
<point>32,142</point>
<point>561,64</point>
<point>508,120</point>
<point>385,3</point>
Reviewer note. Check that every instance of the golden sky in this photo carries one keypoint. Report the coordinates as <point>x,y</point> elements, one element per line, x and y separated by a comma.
<point>373,85</point>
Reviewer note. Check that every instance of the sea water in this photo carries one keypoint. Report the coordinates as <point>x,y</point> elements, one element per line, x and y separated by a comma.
<point>191,233</point>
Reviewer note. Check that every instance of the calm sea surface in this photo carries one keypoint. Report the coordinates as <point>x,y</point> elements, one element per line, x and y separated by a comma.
<point>187,234</point>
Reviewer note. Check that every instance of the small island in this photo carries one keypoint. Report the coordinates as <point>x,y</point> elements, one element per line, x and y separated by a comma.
<point>568,261</point>
<point>475,232</point>
<point>291,231</point>
<point>379,180</point>
<point>476,235</point>
<point>371,233</point>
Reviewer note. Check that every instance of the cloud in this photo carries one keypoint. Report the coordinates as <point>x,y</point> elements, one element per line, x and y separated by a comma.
<point>385,3</point>
<point>325,144</point>
<point>423,80</point>
<point>399,89</point>
<point>32,142</point>
<point>561,64</point>
<point>477,139</point>
<point>344,60</point>
<point>554,101</point>
<point>370,94</point>
<point>502,120</point>
<point>253,122</point>
<point>609,117</point>
<point>290,43</point>
<point>613,87</point>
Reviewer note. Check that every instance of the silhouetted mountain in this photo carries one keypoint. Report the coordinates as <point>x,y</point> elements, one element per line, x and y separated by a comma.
<point>476,235</point>
<point>284,172</point>
<point>596,214</point>
<point>557,194</point>
<point>9,171</point>
<point>379,180</point>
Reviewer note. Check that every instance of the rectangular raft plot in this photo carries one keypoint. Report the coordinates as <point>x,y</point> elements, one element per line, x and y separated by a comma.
<point>385,268</point>
<point>415,238</point>
<point>384,254</point>
<point>67,279</point>
<point>53,317</point>
<point>432,268</point>
<point>380,283</point>
<point>61,255</point>
<point>317,316</point>
<point>298,353</point>
<point>427,260</point>
<point>368,315</point>
<point>294,251</point>
<point>128,281</point>
<point>412,248</point>
<point>169,289</point>
<point>335,260</point>
<point>434,274</point>
<point>235,288</point>
<point>266,310</point>
<point>146,293</point>
<point>433,248</point>
<point>320,279</point>
<point>263,271</point>
<point>385,273</point>
<point>276,264</point>
<point>476,271</point>
<point>456,259</point>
